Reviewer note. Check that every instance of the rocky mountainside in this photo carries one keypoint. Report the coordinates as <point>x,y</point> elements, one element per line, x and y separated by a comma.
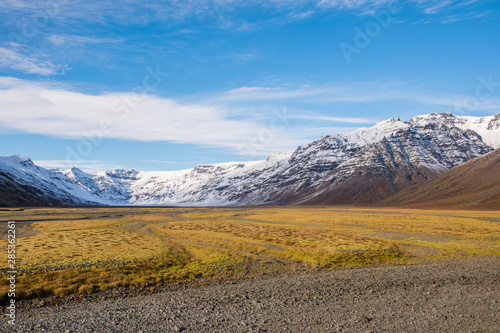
<point>22,183</point>
<point>416,151</point>
<point>472,185</point>
<point>361,167</point>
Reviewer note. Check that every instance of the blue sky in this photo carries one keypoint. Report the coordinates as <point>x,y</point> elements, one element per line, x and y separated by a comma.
<point>167,85</point>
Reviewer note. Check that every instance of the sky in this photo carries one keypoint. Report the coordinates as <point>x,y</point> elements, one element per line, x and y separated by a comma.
<point>168,85</point>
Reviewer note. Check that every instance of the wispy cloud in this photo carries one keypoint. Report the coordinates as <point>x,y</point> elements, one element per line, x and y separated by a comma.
<point>130,11</point>
<point>88,166</point>
<point>464,17</point>
<point>433,7</point>
<point>436,6</point>
<point>367,4</point>
<point>335,119</point>
<point>331,93</point>
<point>164,162</point>
<point>356,93</point>
<point>461,103</point>
<point>134,12</point>
<point>13,59</point>
<point>79,40</point>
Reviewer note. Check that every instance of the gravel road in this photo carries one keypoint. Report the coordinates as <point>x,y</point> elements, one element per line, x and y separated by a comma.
<point>440,297</point>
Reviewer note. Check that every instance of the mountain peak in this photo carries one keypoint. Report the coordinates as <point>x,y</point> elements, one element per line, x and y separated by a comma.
<point>19,158</point>
<point>76,173</point>
<point>16,159</point>
<point>368,135</point>
<point>487,126</point>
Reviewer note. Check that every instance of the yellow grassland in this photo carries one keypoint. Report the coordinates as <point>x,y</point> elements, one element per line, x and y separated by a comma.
<point>83,250</point>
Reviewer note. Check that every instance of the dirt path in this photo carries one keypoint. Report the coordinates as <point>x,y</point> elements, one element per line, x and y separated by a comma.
<point>439,297</point>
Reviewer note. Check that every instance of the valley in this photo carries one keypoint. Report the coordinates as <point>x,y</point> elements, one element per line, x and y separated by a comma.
<point>80,252</point>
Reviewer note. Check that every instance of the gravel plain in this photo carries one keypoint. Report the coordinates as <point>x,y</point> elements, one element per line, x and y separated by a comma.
<point>461,296</point>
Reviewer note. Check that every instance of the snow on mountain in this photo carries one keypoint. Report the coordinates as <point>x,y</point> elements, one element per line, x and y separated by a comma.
<point>159,187</point>
<point>368,135</point>
<point>487,127</point>
<point>410,155</point>
<point>358,167</point>
<point>27,184</point>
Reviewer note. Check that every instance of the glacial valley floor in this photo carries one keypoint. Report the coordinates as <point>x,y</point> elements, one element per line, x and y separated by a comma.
<point>452,296</point>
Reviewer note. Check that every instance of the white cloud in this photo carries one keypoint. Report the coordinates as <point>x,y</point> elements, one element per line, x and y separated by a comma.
<point>78,40</point>
<point>433,7</point>
<point>353,3</point>
<point>174,11</point>
<point>335,119</point>
<point>473,15</point>
<point>436,6</point>
<point>332,93</point>
<point>355,93</point>
<point>242,120</point>
<point>462,104</point>
<point>88,166</point>
<point>164,162</point>
<point>14,60</point>
<point>66,114</point>
<point>314,133</point>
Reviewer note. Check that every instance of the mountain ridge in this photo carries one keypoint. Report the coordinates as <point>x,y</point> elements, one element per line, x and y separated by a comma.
<point>361,167</point>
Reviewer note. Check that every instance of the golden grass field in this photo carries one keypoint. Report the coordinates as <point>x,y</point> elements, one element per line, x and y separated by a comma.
<point>83,250</point>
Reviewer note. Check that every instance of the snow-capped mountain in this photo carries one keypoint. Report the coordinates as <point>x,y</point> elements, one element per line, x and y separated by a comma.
<point>22,183</point>
<point>364,166</point>
<point>413,153</point>
<point>155,187</point>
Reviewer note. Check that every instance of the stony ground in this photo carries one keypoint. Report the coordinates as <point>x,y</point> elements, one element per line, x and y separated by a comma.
<point>440,297</point>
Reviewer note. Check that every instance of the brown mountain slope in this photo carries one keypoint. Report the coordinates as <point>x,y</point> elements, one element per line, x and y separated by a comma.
<point>15,194</point>
<point>472,185</point>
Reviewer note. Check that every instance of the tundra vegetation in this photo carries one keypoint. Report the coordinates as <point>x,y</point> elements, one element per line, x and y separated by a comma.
<point>84,250</point>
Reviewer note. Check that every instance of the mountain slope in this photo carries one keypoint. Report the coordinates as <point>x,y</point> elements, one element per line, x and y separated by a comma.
<point>473,185</point>
<point>411,155</point>
<point>22,183</point>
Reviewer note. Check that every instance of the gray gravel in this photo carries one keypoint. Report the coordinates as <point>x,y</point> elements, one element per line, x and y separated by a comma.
<point>440,297</point>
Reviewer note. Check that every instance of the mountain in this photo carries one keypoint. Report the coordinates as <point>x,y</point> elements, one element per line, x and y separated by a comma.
<point>472,185</point>
<point>364,166</point>
<point>414,152</point>
<point>22,183</point>
<point>158,187</point>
